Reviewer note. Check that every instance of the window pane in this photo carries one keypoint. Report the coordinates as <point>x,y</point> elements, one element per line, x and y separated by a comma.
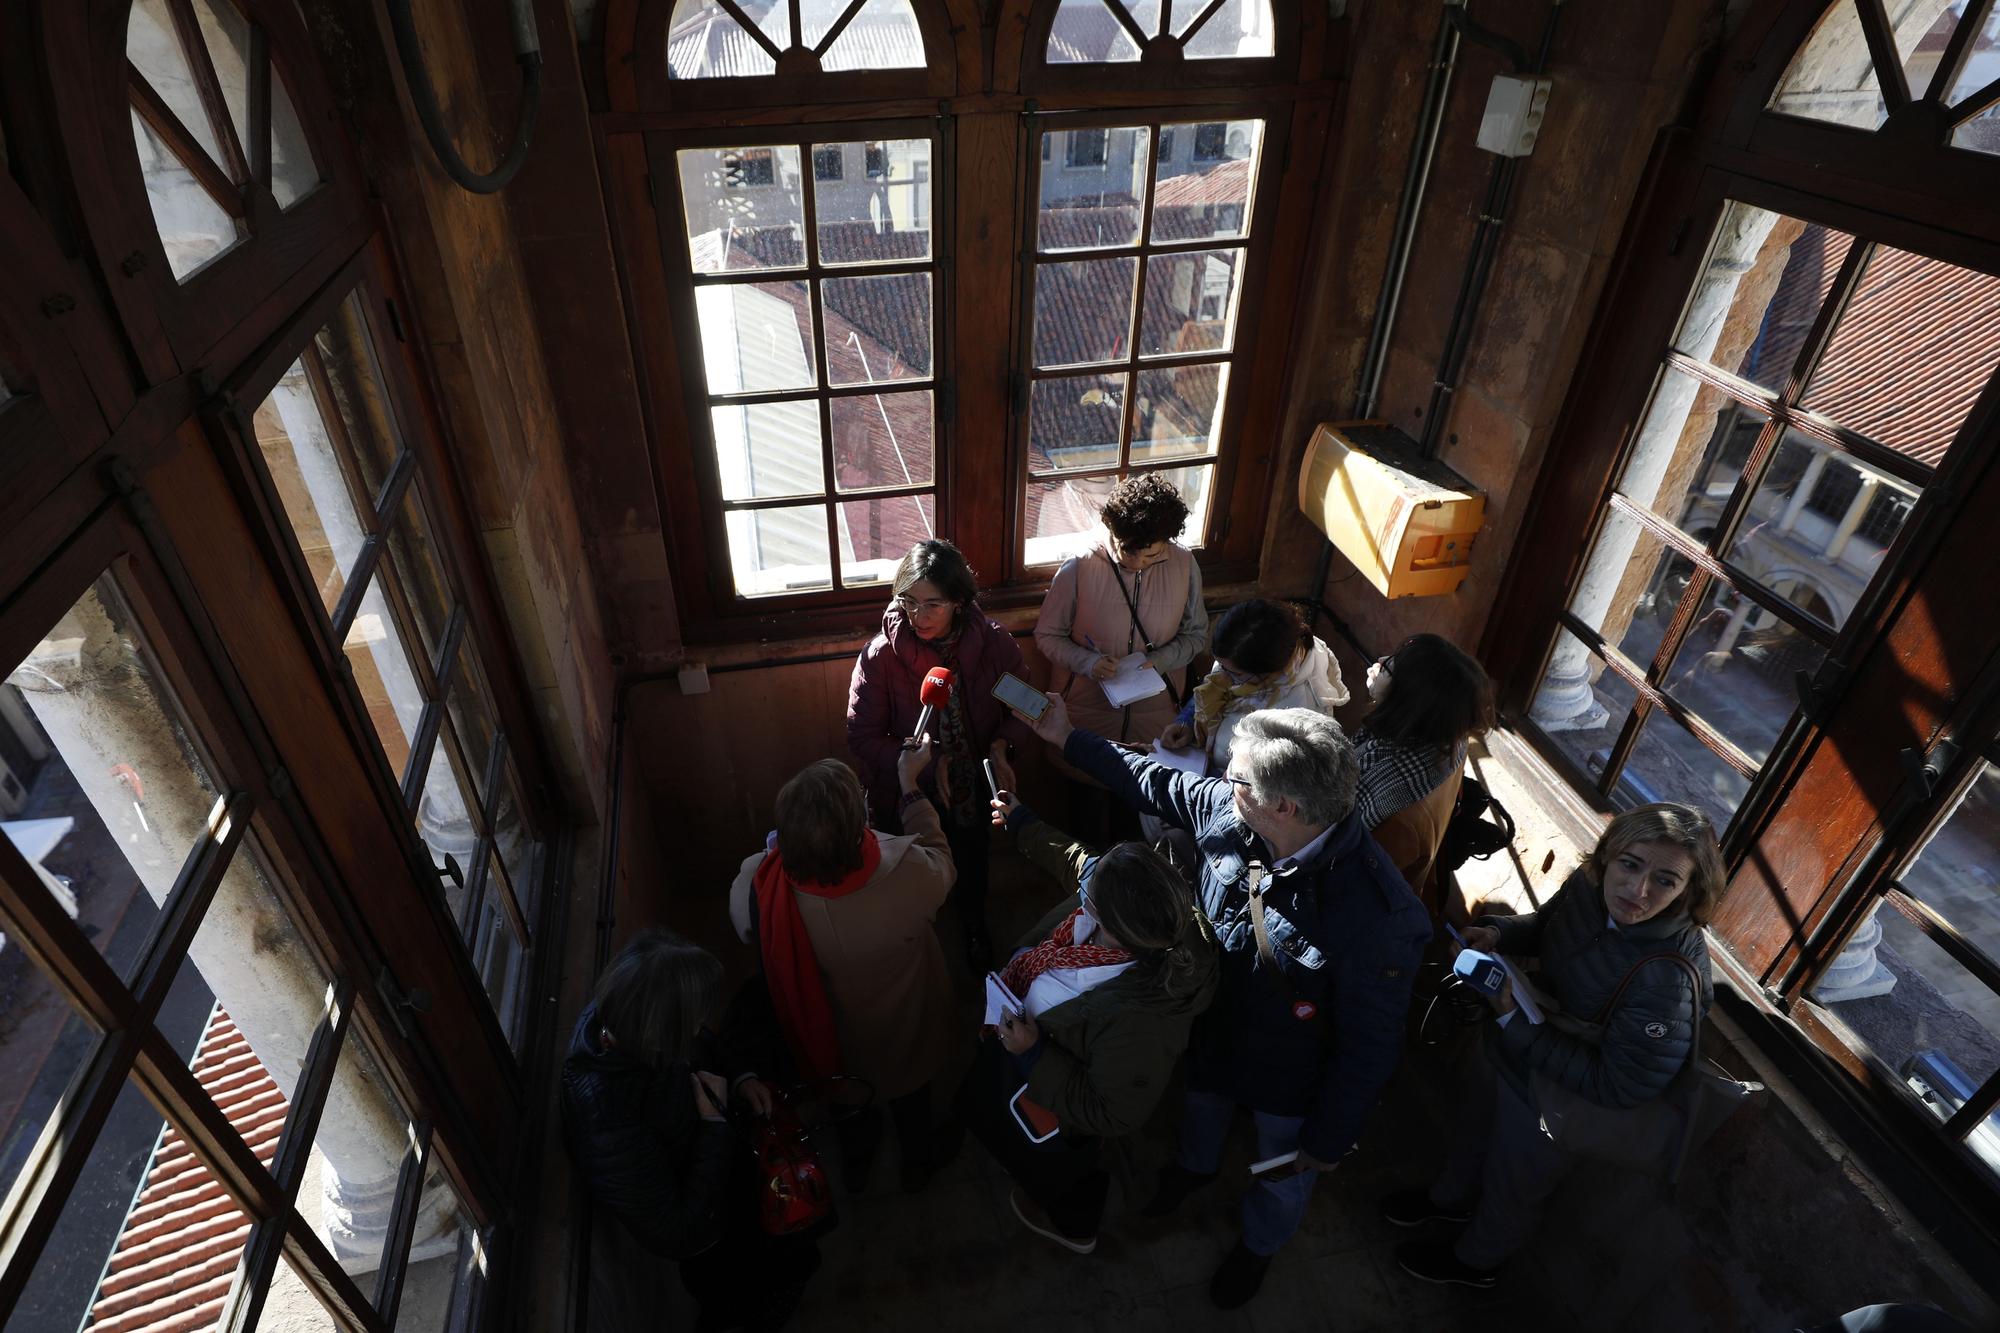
<point>1804,533</point>
<point>1190,302</point>
<point>704,42</point>
<point>385,677</point>
<point>743,207</point>
<point>44,1045</point>
<point>1759,292</point>
<point>193,227</point>
<point>1670,764</point>
<point>1630,586</point>
<point>444,1278</point>
<point>1086,33</point>
<point>779,550</point>
<point>1736,667</point>
<point>155,50</point>
<point>141,1190</point>
<point>875,206</point>
<point>875,534</point>
<point>1179,412</point>
<point>1955,871</point>
<point>766,450</point>
<point>1204,175</point>
<point>1195,485</point>
<point>358,399</point>
<point>817,16</point>
<point>1074,422</point>
<point>884,35</point>
<point>1146,14</point>
<point>878,329</point>
<point>882,439</point>
<point>1832,77</point>
<point>519,852</point>
<point>1981,133</point>
<point>292,436</point>
<point>1093,187</point>
<point>1581,704</point>
<point>291,1305</point>
<point>226,33</point>
<point>116,793</point>
<point>1083,311</point>
<point>1921,33</point>
<point>471,718</point>
<point>1911,352</point>
<point>756,336</point>
<point>498,955</point>
<point>357,1154</point>
<point>444,824</point>
<point>1689,453</point>
<point>1240,29</point>
<point>1061,517</point>
<point>413,553</point>
<point>294,173</point>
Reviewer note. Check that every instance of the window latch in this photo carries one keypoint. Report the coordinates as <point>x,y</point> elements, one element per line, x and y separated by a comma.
<point>1925,768</point>
<point>400,1002</point>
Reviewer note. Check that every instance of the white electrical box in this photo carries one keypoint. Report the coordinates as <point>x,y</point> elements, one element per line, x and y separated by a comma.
<point>1513,117</point>
<point>694,678</point>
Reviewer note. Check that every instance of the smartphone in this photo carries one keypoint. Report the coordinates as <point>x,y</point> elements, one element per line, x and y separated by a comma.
<point>1020,696</point>
<point>992,778</point>
<point>1275,1168</point>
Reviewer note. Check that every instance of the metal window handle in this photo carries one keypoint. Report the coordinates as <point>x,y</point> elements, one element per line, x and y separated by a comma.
<point>1924,768</point>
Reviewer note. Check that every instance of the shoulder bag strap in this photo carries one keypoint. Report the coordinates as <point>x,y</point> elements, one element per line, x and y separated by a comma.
<point>1686,965</point>
<point>1139,628</point>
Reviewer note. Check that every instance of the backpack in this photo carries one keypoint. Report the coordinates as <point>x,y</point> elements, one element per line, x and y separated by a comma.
<point>1470,835</point>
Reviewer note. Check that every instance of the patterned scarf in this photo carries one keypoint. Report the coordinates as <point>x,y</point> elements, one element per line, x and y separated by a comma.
<point>1217,693</point>
<point>957,763</point>
<point>1058,950</point>
<point>791,969</point>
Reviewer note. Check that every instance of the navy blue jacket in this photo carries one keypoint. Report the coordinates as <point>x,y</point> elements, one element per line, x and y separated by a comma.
<point>1321,1040</point>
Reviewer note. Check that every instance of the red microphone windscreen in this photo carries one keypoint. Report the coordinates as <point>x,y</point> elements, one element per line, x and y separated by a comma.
<point>937,687</point>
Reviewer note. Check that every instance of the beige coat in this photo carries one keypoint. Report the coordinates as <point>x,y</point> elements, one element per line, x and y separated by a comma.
<point>885,971</point>
<point>1085,614</point>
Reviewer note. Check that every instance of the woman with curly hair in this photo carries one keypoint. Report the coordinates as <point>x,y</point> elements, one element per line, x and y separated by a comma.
<point>1138,592</point>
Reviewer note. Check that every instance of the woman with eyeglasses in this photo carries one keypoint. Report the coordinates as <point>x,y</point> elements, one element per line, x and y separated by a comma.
<point>1265,657</point>
<point>1429,700</point>
<point>933,619</point>
<point>1139,592</point>
<point>1621,1030</point>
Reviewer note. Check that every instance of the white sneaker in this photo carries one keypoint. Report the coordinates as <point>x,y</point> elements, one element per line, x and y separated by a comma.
<point>1033,1219</point>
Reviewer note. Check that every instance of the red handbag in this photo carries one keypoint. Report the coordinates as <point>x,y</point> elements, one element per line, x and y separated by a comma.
<point>793,1194</point>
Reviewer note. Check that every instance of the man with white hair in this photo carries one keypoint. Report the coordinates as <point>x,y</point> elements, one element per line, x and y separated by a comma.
<point>1320,942</point>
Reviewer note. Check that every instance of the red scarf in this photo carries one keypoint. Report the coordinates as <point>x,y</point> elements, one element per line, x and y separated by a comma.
<point>1058,950</point>
<point>798,991</point>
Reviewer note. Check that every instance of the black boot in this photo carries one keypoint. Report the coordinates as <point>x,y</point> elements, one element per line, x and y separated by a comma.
<point>1174,1184</point>
<point>1238,1279</point>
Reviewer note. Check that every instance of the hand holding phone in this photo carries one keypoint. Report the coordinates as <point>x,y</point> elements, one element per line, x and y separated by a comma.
<point>1020,696</point>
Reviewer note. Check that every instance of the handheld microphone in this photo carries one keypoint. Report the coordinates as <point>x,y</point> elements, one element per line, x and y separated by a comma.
<point>936,691</point>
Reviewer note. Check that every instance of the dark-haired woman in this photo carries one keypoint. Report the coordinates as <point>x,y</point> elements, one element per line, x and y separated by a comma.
<point>1108,984</point>
<point>1430,699</point>
<point>1265,657</point>
<point>1643,893</point>
<point>933,619</point>
<point>1138,592</point>
<point>643,1117</point>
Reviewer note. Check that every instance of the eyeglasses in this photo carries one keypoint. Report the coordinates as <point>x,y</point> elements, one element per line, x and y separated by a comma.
<point>910,606</point>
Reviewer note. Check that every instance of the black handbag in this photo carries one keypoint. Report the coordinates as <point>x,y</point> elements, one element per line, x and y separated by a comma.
<point>1657,1136</point>
<point>1470,835</point>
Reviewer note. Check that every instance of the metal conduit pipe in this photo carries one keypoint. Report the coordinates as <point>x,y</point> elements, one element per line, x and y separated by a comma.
<point>423,94</point>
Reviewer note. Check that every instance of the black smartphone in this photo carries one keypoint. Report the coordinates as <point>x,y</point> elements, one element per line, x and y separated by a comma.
<point>1020,696</point>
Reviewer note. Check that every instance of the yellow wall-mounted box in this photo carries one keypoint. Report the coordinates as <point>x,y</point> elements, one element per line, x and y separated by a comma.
<point>1404,521</point>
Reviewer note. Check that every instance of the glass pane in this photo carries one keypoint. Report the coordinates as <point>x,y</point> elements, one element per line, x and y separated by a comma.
<point>1093,186</point>
<point>44,1045</point>
<point>704,42</point>
<point>743,207</point>
<point>1982,59</point>
<point>1922,33</point>
<point>1911,352</point>
<point>882,439</point>
<point>1581,704</point>
<point>1190,303</point>
<point>155,50</point>
<point>1759,292</point>
<point>291,1305</point>
<point>145,1213</point>
<point>1194,484</point>
<point>1146,13</point>
<point>1954,873</point>
<point>412,552</point>
<point>294,173</point>
<point>1083,311</point>
<point>756,336</point>
<point>877,329</point>
<point>1981,134</point>
<point>1204,173</point>
<point>116,792</point>
<point>226,34</point>
<point>1669,764</point>
<point>519,852</point>
<point>817,16</point>
<point>1818,526</point>
<point>779,550</point>
<point>1179,412</point>
<point>1689,452</point>
<point>1832,77</point>
<point>471,718</point>
<point>872,200</point>
<point>1085,33</point>
<point>1061,517</point>
<point>354,383</point>
<point>444,824</point>
<point>193,227</point>
<point>386,679</point>
<point>767,450</point>
<point>1240,29</point>
<point>1735,669</point>
<point>884,35</point>
<point>875,534</point>
<point>445,1275</point>
<point>1915,1008</point>
<point>1630,586</point>
<point>306,471</point>
<point>1074,422</point>
<point>499,957</point>
<point>357,1155</point>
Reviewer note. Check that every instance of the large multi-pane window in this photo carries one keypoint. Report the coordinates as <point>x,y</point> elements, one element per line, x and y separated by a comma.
<point>1813,387</point>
